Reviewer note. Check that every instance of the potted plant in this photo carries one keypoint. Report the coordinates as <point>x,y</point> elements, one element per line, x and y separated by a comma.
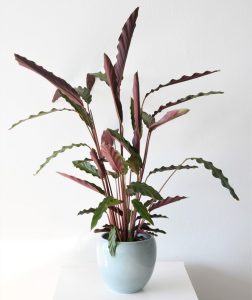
<point>126,248</point>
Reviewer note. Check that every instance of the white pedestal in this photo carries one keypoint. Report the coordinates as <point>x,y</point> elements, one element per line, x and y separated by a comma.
<point>169,281</point>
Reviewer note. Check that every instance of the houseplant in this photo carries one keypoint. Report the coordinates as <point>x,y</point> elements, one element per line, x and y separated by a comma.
<point>116,159</point>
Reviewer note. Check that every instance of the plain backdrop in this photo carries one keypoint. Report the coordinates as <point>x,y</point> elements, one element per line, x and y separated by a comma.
<point>210,231</point>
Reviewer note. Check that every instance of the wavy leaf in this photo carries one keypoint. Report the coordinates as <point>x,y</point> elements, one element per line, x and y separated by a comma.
<point>101,76</point>
<point>126,144</point>
<point>124,44</point>
<point>57,152</point>
<point>153,216</point>
<point>135,162</point>
<point>107,138</point>
<point>85,165</point>
<point>170,168</point>
<point>181,100</point>
<point>91,210</point>
<point>137,113</point>
<point>61,84</point>
<point>142,210</point>
<point>170,115</point>
<point>165,201</point>
<point>181,79</point>
<point>111,77</point>
<point>99,164</point>
<point>85,183</point>
<point>103,206</point>
<point>112,243</point>
<point>40,114</point>
<point>147,119</point>
<point>217,173</point>
<point>84,93</point>
<point>149,229</point>
<point>144,189</point>
<point>114,158</point>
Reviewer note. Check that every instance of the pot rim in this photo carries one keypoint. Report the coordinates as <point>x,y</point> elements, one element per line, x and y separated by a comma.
<point>150,237</point>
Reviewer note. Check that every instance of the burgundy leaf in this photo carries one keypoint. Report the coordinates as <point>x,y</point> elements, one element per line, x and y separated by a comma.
<point>113,157</point>
<point>111,77</point>
<point>56,95</point>
<point>170,115</point>
<point>181,79</point>
<point>137,114</point>
<point>85,183</point>
<point>123,45</point>
<point>98,163</point>
<point>90,80</point>
<point>166,201</point>
<point>107,138</point>
<point>61,84</point>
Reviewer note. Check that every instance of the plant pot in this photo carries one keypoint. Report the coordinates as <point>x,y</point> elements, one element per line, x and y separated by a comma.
<point>132,266</point>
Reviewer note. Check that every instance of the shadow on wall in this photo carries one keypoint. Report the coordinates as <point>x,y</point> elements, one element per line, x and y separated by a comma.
<point>214,284</point>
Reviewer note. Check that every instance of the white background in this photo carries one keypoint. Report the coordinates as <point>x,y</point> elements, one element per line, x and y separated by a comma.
<point>210,231</point>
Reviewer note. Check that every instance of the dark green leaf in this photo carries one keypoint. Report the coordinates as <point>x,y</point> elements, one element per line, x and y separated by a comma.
<point>103,206</point>
<point>155,230</point>
<point>132,113</point>
<point>85,165</point>
<point>170,168</point>
<point>40,114</point>
<point>112,243</point>
<point>181,100</point>
<point>216,173</point>
<point>126,144</point>
<point>91,210</point>
<point>142,210</point>
<point>57,152</point>
<point>144,189</point>
<point>153,216</point>
<point>135,163</point>
<point>84,93</point>
<point>147,119</point>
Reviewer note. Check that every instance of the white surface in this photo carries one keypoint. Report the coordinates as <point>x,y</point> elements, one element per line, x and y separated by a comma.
<point>209,230</point>
<point>169,281</point>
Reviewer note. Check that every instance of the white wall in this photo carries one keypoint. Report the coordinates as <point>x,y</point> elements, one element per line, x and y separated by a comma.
<point>209,231</point>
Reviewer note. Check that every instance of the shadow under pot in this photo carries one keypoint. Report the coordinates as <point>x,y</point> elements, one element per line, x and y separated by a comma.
<point>131,267</point>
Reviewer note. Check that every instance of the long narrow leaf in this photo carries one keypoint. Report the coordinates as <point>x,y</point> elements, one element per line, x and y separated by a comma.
<point>217,173</point>
<point>181,79</point>
<point>101,76</point>
<point>57,152</point>
<point>103,206</point>
<point>142,210</point>
<point>85,183</point>
<point>184,99</point>
<point>113,157</point>
<point>170,115</point>
<point>124,44</point>
<point>147,119</point>
<point>151,230</point>
<point>170,168</point>
<point>40,114</point>
<point>165,201</point>
<point>125,143</point>
<point>91,210</point>
<point>111,77</point>
<point>137,113</point>
<point>112,243</point>
<point>99,164</point>
<point>90,81</point>
<point>144,189</point>
<point>61,84</point>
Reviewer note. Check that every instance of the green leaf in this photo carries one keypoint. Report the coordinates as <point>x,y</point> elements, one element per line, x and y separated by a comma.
<point>40,114</point>
<point>144,189</point>
<point>85,165</point>
<point>84,93</point>
<point>57,152</point>
<point>170,168</point>
<point>135,162</point>
<point>101,76</point>
<point>216,173</point>
<point>112,243</point>
<point>154,216</point>
<point>142,210</point>
<point>126,144</point>
<point>147,119</point>
<point>155,230</point>
<point>103,206</point>
<point>91,210</point>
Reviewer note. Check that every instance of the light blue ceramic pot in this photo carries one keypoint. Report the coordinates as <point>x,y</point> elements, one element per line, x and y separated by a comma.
<point>131,268</point>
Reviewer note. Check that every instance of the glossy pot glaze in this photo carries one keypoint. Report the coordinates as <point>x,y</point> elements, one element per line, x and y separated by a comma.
<point>132,266</point>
